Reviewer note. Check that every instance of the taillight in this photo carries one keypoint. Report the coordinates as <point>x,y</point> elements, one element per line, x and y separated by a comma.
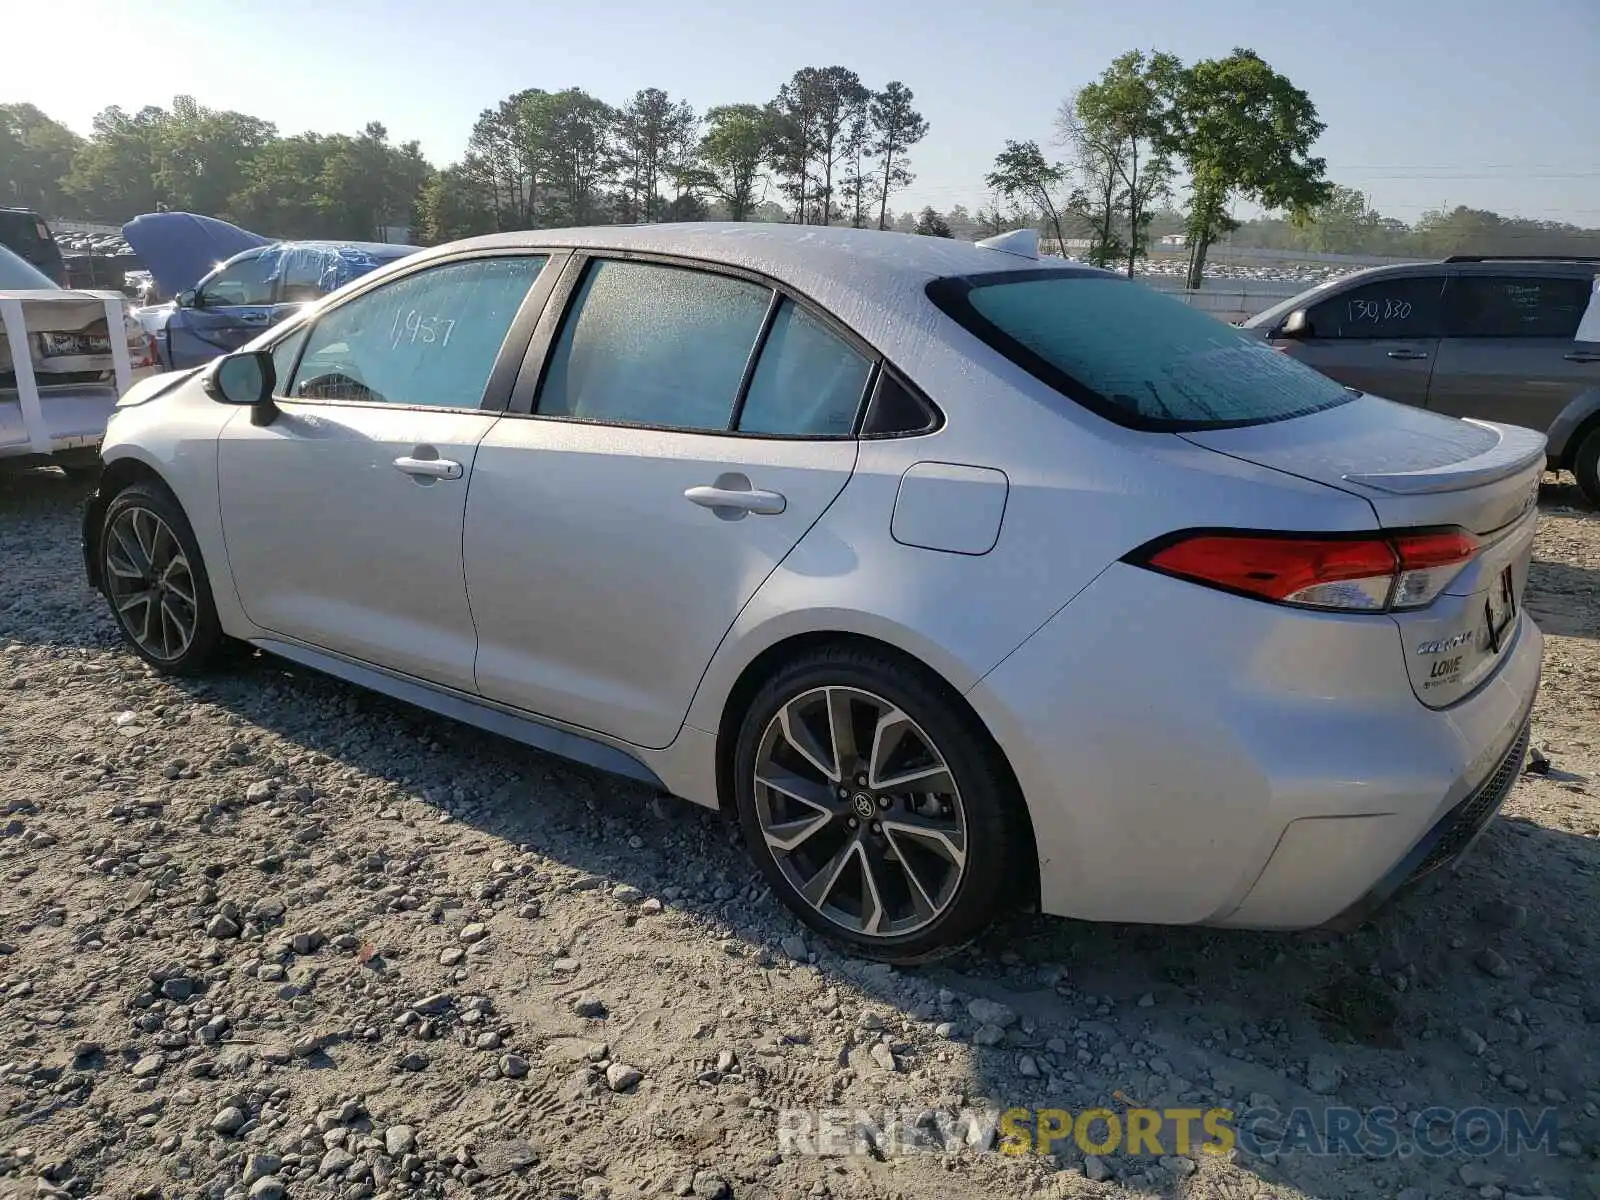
<point>1367,573</point>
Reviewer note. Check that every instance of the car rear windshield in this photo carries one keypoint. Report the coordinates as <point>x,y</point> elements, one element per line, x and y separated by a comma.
<point>1132,354</point>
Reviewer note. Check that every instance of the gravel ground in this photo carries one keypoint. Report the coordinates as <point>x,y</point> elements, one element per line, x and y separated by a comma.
<point>268,935</point>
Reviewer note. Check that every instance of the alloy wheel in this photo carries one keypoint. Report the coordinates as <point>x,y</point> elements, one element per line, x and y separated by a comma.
<point>860,811</point>
<point>150,583</point>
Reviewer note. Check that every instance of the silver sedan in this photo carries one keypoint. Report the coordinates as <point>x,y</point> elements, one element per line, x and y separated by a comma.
<point>962,577</point>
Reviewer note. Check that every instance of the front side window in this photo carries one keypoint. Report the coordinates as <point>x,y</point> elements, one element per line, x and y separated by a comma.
<point>808,381</point>
<point>1407,307</point>
<point>428,339</point>
<point>647,344</point>
<point>244,283</point>
<point>1132,354</point>
<point>1495,306</point>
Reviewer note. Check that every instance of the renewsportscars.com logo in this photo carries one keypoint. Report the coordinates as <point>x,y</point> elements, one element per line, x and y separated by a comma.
<point>1433,1132</point>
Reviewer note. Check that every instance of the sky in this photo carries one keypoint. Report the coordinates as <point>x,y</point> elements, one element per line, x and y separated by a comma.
<point>1428,103</point>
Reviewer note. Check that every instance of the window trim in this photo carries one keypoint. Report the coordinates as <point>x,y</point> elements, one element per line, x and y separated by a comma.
<point>1458,278</point>
<point>531,378</point>
<point>502,375</point>
<point>951,295</point>
<point>1445,279</point>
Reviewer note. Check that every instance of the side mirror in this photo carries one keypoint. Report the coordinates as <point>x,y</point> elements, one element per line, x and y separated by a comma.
<point>247,378</point>
<point>187,297</point>
<point>1295,326</point>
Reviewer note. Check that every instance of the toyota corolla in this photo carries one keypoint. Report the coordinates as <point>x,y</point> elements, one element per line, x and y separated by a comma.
<point>962,577</point>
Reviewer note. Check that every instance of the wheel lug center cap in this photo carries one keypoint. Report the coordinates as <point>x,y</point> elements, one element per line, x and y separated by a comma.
<point>864,806</point>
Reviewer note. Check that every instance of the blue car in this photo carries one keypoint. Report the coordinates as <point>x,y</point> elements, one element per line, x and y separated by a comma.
<point>219,308</point>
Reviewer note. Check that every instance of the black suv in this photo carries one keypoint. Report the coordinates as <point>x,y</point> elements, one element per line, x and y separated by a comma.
<point>24,232</point>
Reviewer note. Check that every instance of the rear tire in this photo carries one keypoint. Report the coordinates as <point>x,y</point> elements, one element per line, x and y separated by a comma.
<point>152,573</point>
<point>1586,466</point>
<point>899,839</point>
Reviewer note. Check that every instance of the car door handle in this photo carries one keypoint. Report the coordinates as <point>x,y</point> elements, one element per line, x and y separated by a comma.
<point>1408,355</point>
<point>428,468</point>
<point>1583,356</point>
<point>737,500</point>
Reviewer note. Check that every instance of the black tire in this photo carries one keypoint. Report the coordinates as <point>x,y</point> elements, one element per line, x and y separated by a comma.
<point>1586,466</point>
<point>207,647</point>
<point>995,819</point>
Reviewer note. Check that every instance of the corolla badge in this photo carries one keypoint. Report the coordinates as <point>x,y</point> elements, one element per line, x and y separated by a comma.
<point>1445,645</point>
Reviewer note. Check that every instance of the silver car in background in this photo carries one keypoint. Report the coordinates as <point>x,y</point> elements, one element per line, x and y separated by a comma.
<point>960,576</point>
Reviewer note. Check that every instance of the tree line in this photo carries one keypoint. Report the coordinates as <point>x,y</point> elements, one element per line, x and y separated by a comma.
<point>1152,146</point>
<point>1230,129</point>
<point>826,149</point>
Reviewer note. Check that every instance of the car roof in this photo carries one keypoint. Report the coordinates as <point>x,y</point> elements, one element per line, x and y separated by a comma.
<point>829,263</point>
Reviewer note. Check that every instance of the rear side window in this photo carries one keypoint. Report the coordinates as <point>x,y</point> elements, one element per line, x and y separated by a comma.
<point>1407,307</point>
<point>646,344</point>
<point>1132,354</point>
<point>1496,306</point>
<point>807,382</point>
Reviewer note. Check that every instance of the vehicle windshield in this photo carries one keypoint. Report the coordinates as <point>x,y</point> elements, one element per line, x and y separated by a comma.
<point>1132,354</point>
<point>17,274</point>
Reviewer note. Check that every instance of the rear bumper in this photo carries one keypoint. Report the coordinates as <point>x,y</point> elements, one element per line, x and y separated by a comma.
<point>1189,757</point>
<point>1448,841</point>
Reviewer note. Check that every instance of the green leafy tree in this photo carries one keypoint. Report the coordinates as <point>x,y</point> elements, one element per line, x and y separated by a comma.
<point>452,206</point>
<point>733,152</point>
<point>113,177</point>
<point>36,156</point>
<point>1024,176</point>
<point>576,155</point>
<point>932,224</point>
<point>810,116</point>
<point>1242,131</point>
<point>896,127</point>
<point>1100,195</point>
<point>203,155</point>
<point>651,131</point>
<point>274,197</point>
<point>1120,125</point>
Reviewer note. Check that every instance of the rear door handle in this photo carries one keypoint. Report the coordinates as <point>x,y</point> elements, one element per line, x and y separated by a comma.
<point>734,501</point>
<point>1408,355</point>
<point>1583,356</point>
<point>428,468</point>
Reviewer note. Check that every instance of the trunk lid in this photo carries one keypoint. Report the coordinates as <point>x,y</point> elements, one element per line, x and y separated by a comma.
<point>1419,469</point>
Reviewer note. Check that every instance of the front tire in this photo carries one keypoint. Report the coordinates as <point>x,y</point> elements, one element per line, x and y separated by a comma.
<point>152,573</point>
<point>1586,466</point>
<point>876,806</point>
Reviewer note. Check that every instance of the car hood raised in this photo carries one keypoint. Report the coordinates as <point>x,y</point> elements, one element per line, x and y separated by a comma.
<point>180,248</point>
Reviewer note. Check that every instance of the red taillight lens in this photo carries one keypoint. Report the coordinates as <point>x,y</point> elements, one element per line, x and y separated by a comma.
<point>1368,574</point>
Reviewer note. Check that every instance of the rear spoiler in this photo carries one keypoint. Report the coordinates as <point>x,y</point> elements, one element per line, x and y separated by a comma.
<point>1514,452</point>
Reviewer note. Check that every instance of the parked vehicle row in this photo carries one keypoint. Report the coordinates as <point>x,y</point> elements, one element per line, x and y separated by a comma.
<point>958,575</point>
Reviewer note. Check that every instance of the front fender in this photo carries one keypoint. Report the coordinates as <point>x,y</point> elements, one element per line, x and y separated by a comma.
<point>1563,441</point>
